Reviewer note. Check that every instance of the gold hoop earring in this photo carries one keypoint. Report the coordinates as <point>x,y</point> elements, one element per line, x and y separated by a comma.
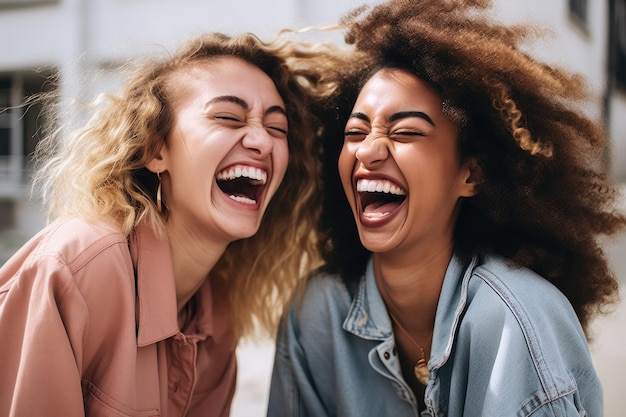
<point>158,195</point>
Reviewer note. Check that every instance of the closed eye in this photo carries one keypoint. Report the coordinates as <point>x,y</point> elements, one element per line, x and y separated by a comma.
<point>408,133</point>
<point>229,122</point>
<point>276,131</point>
<point>354,135</point>
<point>228,118</point>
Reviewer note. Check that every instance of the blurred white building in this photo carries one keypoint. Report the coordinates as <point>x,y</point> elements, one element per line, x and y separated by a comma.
<point>81,41</point>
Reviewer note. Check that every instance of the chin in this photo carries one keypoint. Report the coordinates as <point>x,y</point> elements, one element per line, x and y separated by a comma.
<point>375,244</point>
<point>249,233</point>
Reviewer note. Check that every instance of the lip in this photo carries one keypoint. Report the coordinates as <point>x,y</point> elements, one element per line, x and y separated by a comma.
<point>377,220</point>
<point>253,181</point>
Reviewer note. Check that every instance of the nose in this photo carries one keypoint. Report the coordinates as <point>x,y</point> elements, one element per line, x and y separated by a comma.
<point>372,150</point>
<point>258,141</point>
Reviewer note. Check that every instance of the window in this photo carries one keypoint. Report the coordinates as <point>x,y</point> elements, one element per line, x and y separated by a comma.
<point>578,11</point>
<point>617,42</point>
<point>19,128</point>
<point>7,221</point>
<point>5,128</point>
<point>5,117</point>
<point>6,4</point>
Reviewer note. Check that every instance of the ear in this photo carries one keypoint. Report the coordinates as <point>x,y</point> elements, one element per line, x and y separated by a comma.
<point>157,164</point>
<point>473,176</point>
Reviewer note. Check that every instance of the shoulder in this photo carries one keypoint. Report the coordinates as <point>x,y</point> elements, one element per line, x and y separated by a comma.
<point>500,283</point>
<point>68,252</point>
<point>506,299</point>
<point>327,285</point>
<point>75,241</point>
<point>514,313</point>
<point>324,299</point>
<point>324,288</point>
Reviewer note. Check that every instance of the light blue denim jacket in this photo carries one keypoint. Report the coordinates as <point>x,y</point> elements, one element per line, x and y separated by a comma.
<point>506,343</point>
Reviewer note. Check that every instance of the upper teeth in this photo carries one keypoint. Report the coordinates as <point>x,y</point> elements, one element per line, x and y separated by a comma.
<point>245,171</point>
<point>378,186</point>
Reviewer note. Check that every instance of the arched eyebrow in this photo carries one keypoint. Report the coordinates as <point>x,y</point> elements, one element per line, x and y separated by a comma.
<point>244,104</point>
<point>395,116</point>
<point>361,116</point>
<point>407,114</point>
<point>276,109</point>
<point>230,99</point>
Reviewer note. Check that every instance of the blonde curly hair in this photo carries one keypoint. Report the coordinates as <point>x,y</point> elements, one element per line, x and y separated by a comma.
<point>101,170</point>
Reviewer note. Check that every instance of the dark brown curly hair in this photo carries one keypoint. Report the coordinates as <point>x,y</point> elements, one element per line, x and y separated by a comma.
<point>544,199</point>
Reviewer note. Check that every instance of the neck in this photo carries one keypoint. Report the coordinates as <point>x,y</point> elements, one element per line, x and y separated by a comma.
<point>411,288</point>
<point>193,258</point>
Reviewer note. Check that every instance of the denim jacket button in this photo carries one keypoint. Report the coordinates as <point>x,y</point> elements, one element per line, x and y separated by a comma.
<point>387,355</point>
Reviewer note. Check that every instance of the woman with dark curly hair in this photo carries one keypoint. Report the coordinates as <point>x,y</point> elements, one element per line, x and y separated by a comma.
<point>464,268</point>
<point>184,213</point>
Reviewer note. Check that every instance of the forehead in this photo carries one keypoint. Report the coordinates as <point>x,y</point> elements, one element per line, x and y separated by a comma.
<point>221,65</point>
<point>224,76</point>
<point>397,88</point>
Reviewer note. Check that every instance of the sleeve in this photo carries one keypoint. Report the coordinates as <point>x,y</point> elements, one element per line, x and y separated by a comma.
<point>569,405</point>
<point>532,351</point>
<point>292,390</point>
<point>41,374</point>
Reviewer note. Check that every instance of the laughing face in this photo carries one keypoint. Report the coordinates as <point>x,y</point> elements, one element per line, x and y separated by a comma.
<point>400,167</point>
<point>227,151</point>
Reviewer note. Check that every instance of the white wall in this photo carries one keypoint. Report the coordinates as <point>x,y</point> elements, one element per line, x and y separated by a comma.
<point>35,36</point>
<point>581,51</point>
<point>120,29</point>
<point>567,44</point>
<point>98,31</point>
<point>618,137</point>
<point>80,36</point>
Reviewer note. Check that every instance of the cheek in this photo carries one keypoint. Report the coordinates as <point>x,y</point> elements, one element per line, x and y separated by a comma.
<point>345,167</point>
<point>280,154</point>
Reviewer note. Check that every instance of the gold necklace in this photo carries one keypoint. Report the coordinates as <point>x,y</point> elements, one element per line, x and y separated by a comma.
<point>420,369</point>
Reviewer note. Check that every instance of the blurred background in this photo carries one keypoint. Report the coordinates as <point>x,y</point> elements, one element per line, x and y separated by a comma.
<point>84,42</point>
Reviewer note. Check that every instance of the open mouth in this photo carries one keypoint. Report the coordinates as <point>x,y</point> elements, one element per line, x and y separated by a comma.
<point>379,198</point>
<point>242,183</point>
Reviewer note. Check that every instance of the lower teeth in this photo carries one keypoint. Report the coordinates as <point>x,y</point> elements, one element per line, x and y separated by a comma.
<point>244,200</point>
<point>377,215</point>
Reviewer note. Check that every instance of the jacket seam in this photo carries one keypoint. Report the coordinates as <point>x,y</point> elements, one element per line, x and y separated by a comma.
<point>506,295</point>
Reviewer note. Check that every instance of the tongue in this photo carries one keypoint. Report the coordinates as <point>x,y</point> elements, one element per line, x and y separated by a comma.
<point>380,208</point>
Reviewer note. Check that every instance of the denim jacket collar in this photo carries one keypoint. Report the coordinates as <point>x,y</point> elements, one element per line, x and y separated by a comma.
<point>368,317</point>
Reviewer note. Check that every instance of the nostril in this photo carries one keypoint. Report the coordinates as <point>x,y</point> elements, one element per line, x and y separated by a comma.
<point>258,141</point>
<point>371,154</point>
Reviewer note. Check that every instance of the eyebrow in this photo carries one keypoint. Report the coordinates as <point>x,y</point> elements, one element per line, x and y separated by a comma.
<point>407,114</point>
<point>229,99</point>
<point>359,115</point>
<point>276,109</point>
<point>244,104</point>
<point>396,116</point>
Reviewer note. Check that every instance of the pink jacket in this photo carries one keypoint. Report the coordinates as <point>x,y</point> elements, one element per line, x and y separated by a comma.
<point>82,334</point>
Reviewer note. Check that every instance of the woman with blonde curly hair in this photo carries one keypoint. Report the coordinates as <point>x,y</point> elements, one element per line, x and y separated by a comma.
<point>463,270</point>
<point>184,215</point>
